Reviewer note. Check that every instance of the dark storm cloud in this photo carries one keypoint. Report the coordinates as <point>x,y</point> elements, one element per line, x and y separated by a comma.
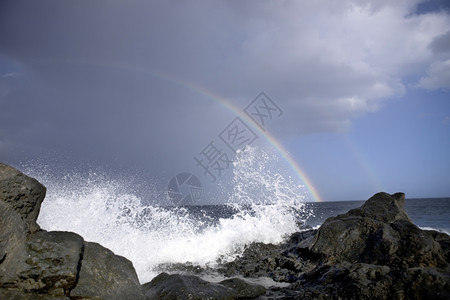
<point>99,78</point>
<point>80,93</point>
<point>441,44</point>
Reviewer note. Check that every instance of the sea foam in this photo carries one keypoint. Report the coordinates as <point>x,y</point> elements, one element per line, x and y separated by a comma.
<point>105,210</point>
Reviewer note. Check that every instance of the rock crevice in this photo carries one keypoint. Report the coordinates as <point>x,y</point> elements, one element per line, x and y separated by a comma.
<point>77,276</point>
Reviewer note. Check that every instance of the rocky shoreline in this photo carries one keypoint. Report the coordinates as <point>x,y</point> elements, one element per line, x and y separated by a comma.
<point>371,252</point>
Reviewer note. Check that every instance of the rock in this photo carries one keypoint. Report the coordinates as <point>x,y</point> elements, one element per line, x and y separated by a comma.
<point>243,289</point>
<point>106,275</point>
<point>50,264</point>
<point>279,262</point>
<point>423,283</point>
<point>366,281</point>
<point>46,263</point>
<point>165,286</point>
<point>14,294</point>
<point>12,238</point>
<point>23,193</point>
<point>379,232</point>
<point>302,239</point>
<point>36,264</point>
<point>346,281</point>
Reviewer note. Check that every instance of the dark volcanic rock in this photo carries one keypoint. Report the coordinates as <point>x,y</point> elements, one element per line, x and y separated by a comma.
<point>379,232</point>
<point>165,286</point>
<point>23,193</point>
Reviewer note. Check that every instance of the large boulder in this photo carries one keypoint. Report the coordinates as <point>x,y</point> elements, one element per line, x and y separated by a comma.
<point>46,263</point>
<point>106,275</point>
<point>379,232</point>
<point>23,193</point>
<point>62,264</point>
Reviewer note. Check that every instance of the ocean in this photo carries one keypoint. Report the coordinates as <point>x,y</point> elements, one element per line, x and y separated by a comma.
<point>263,207</point>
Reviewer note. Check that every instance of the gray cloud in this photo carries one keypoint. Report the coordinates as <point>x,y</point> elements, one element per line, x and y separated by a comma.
<point>438,76</point>
<point>441,44</point>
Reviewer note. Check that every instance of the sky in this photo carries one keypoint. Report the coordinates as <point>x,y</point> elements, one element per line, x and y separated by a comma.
<point>357,92</point>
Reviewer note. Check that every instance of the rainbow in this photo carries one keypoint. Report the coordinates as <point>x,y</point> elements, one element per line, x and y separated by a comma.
<point>240,113</point>
<point>227,105</point>
<point>269,137</point>
<point>362,161</point>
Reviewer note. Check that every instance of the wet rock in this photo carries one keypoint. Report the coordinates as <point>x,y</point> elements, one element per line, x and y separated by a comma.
<point>24,194</point>
<point>165,286</point>
<point>106,275</point>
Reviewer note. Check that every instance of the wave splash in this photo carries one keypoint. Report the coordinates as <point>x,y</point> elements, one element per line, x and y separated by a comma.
<point>264,207</point>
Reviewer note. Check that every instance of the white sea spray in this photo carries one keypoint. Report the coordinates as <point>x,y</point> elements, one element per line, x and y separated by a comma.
<point>266,206</point>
